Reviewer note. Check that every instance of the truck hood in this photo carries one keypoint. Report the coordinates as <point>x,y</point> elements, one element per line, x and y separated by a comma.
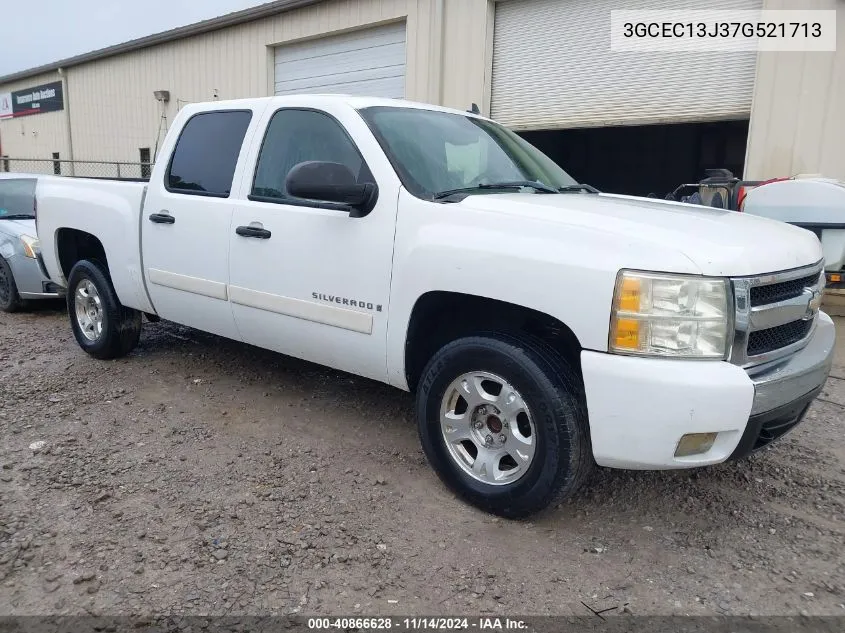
<point>18,227</point>
<point>718,242</point>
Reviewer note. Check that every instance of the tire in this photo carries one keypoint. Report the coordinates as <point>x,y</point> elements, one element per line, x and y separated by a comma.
<point>119,327</point>
<point>550,394</point>
<point>10,300</point>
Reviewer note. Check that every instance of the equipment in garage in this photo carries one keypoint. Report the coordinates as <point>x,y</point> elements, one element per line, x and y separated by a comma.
<point>720,190</point>
<point>645,159</point>
<point>813,203</point>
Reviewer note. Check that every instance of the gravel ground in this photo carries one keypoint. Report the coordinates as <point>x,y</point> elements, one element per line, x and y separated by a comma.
<point>202,476</point>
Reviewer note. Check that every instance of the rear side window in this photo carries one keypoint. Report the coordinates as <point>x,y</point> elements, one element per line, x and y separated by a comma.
<point>206,153</point>
<point>17,197</point>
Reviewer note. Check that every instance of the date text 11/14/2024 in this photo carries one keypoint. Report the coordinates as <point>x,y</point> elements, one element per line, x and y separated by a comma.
<point>417,624</point>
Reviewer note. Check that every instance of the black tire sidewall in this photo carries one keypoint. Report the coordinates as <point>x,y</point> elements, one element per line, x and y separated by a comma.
<point>109,344</point>
<point>13,302</point>
<point>553,417</point>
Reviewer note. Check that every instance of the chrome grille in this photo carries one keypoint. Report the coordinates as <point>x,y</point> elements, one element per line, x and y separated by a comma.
<point>772,293</point>
<point>773,338</point>
<point>775,314</point>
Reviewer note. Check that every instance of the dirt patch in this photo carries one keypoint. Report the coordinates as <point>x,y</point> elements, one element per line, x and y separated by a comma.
<point>202,476</point>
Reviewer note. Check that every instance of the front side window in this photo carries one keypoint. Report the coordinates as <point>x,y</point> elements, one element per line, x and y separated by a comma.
<point>435,152</point>
<point>298,136</point>
<point>206,153</point>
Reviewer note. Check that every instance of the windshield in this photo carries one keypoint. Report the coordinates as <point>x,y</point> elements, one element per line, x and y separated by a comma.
<point>17,198</point>
<point>436,152</point>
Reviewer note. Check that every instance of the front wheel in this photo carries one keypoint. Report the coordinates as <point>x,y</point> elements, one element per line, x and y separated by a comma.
<point>102,326</point>
<point>503,422</point>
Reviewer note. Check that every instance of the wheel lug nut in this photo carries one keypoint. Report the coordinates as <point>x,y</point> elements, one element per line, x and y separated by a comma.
<point>488,439</point>
<point>502,438</point>
<point>478,424</point>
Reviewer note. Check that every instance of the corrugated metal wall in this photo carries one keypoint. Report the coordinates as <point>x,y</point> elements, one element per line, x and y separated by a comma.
<point>796,124</point>
<point>113,109</point>
<point>798,112</point>
<point>467,53</point>
<point>38,135</point>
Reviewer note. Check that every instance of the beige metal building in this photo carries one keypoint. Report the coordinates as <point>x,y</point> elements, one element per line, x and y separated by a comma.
<point>621,121</point>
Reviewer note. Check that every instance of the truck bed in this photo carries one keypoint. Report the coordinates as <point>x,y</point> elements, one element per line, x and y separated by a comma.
<point>106,208</point>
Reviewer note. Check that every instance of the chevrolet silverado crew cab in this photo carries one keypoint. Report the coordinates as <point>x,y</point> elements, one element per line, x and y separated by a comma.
<point>543,326</point>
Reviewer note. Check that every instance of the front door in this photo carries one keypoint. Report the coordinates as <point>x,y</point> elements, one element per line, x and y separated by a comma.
<point>305,280</point>
<point>185,223</point>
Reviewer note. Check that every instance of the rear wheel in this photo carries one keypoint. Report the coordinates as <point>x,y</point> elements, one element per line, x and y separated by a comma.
<point>102,326</point>
<point>502,420</point>
<point>10,300</point>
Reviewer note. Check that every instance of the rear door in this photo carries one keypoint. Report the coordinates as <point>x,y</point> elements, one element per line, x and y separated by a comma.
<point>186,218</point>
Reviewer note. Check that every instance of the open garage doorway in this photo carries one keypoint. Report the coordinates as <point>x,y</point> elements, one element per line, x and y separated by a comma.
<point>645,159</point>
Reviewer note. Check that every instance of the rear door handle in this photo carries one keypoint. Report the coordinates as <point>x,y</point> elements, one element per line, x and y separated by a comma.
<point>253,231</point>
<point>162,218</point>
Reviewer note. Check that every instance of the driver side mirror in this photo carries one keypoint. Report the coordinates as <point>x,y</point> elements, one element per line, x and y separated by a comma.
<point>331,182</point>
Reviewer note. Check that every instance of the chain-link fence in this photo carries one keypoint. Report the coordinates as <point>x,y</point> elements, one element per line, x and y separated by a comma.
<point>115,170</point>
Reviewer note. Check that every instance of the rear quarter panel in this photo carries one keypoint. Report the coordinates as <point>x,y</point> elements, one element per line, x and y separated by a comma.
<point>108,210</point>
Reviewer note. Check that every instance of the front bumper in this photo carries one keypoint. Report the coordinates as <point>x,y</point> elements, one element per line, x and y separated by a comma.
<point>639,408</point>
<point>783,391</point>
<point>30,280</point>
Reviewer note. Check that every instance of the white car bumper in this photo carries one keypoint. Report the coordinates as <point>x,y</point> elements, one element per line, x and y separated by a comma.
<point>639,408</point>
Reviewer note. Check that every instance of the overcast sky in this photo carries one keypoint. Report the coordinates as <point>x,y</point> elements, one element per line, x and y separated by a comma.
<point>38,32</point>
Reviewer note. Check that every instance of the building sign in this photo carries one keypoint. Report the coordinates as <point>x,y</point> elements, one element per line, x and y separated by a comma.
<point>43,98</point>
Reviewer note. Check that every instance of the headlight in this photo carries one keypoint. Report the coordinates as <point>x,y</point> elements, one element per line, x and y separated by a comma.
<point>669,315</point>
<point>30,245</point>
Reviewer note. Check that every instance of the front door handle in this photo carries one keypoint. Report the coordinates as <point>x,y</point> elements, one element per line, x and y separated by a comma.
<point>162,218</point>
<point>253,231</point>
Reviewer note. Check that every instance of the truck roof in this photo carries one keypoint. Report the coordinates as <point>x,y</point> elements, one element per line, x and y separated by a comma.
<point>318,100</point>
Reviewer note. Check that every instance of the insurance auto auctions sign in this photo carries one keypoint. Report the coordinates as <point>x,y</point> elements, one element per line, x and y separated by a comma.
<point>43,98</point>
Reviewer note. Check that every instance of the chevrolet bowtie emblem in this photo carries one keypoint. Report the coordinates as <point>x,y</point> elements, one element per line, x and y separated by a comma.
<point>814,303</point>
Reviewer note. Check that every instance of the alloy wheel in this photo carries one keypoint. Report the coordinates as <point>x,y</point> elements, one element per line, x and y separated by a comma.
<point>487,428</point>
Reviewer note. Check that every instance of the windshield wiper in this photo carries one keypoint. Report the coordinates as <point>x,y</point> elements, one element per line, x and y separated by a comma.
<point>511,184</point>
<point>17,216</point>
<point>578,187</point>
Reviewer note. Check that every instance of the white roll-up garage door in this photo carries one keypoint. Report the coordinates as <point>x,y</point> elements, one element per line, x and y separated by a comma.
<point>369,62</point>
<point>553,68</point>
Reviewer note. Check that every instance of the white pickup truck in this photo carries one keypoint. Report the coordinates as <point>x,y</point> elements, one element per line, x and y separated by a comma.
<point>544,327</point>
